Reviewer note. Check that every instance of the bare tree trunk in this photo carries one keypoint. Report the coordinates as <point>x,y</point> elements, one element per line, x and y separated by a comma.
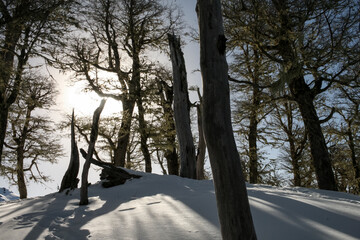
<point>167,96</point>
<point>93,136</point>
<point>200,158</point>
<point>182,110</point>
<point>143,135</point>
<point>3,125</point>
<point>354,159</point>
<point>254,172</point>
<point>231,194</point>
<point>319,151</point>
<point>70,179</point>
<point>124,133</point>
<point>20,173</point>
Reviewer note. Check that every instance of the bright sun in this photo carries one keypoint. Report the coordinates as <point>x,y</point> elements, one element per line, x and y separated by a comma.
<point>85,103</point>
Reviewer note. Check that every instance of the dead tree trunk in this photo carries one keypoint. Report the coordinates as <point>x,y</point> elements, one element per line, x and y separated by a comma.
<point>200,157</point>
<point>167,96</point>
<point>113,175</point>
<point>93,136</point>
<point>70,179</point>
<point>182,110</point>
<point>230,189</point>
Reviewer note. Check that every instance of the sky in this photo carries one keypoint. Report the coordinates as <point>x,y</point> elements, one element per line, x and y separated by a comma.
<point>71,96</point>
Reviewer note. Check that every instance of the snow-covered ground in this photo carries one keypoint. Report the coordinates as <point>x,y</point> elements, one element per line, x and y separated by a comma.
<point>170,207</point>
<point>7,195</point>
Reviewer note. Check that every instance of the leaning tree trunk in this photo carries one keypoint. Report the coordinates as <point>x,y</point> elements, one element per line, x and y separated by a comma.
<point>93,136</point>
<point>182,110</point>
<point>230,189</point>
<point>70,179</point>
<point>319,151</point>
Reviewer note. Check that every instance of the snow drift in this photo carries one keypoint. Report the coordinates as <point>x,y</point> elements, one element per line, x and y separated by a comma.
<point>170,207</point>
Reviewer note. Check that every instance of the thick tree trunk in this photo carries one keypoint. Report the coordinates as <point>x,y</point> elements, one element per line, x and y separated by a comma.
<point>200,158</point>
<point>182,110</point>
<point>167,96</point>
<point>124,133</point>
<point>93,136</point>
<point>231,194</point>
<point>70,179</point>
<point>319,151</point>
<point>354,160</point>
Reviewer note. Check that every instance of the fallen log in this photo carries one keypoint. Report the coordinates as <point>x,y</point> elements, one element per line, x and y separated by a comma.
<point>114,176</point>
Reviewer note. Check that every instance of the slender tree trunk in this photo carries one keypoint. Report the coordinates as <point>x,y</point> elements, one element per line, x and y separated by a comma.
<point>319,151</point>
<point>254,173</point>
<point>4,112</point>
<point>70,179</point>
<point>294,154</point>
<point>231,194</point>
<point>143,135</point>
<point>20,154</point>
<point>200,158</point>
<point>182,110</point>
<point>20,173</point>
<point>295,158</point>
<point>93,136</point>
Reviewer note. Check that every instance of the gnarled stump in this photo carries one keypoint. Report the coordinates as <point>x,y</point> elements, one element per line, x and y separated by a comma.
<point>113,175</point>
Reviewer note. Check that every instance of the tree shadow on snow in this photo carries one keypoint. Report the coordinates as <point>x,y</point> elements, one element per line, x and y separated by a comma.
<point>281,216</point>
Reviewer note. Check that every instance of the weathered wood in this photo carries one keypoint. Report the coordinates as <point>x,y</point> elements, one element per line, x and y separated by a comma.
<point>182,110</point>
<point>114,173</point>
<point>200,157</point>
<point>93,136</point>
<point>70,179</point>
<point>231,194</point>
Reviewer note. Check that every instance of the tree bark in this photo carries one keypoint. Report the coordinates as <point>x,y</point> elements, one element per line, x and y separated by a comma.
<point>143,135</point>
<point>200,158</point>
<point>319,151</point>
<point>70,179</point>
<point>117,175</point>
<point>254,173</point>
<point>182,110</point>
<point>4,112</point>
<point>167,96</point>
<point>93,136</point>
<point>20,153</point>
<point>354,160</point>
<point>124,133</point>
<point>230,189</point>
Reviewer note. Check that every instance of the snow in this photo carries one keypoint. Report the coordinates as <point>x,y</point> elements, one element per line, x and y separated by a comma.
<point>7,195</point>
<point>170,207</point>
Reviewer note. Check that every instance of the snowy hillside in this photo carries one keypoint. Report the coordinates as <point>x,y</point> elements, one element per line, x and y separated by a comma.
<point>7,195</point>
<point>170,207</point>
